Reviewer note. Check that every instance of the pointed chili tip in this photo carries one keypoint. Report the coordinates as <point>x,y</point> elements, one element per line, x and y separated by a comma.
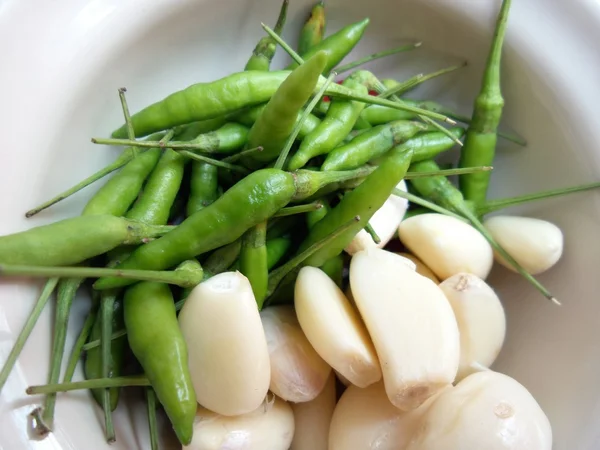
<point>555,301</point>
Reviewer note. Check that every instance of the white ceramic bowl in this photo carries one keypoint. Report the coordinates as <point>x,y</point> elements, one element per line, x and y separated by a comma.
<point>62,63</point>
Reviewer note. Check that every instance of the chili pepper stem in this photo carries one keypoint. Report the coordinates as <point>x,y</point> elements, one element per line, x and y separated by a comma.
<point>426,203</point>
<point>98,383</point>
<point>93,344</point>
<point>378,55</point>
<point>495,205</point>
<point>448,172</point>
<point>27,329</point>
<point>79,344</point>
<point>176,277</point>
<point>106,309</point>
<point>214,162</point>
<point>126,115</point>
<point>279,274</point>
<point>240,155</point>
<point>419,79</point>
<point>300,209</point>
<point>369,229</point>
<point>152,425</point>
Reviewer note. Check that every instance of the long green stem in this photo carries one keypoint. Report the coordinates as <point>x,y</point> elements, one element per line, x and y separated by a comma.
<point>300,209</point>
<point>80,343</point>
<point>126,115</point>
<point>152,425</point>
<point>413,82</point>
<point>426,203</point>
<point>96,343</point>
<point>280,273</point>
<point>495,205</point>
<point>214,162</point>
<point>173,145</point>
<point>378,55</point>
<point>107,304</point>
<point>98,383</point>
<point>336,90</point>
<point>290,141</point>
<point>240,155</point>
<point>448,172</point>
<point>178,278</point>
<point>369,229</point>
<point>27,329</point>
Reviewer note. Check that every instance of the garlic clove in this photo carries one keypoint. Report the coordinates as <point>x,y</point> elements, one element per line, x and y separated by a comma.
<point>298,373</point>
<point>420,267</point>
<point>487,410</point>
<point>535,244</point>
<point>270,426</point>
<point>410,323</point>
<point>447,245</point>
<point>228,355</point>
<point>313,419</point>
<point>481,321</point>
<point>334,328</point>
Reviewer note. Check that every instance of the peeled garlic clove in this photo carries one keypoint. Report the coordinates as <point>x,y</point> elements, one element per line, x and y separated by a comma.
<point>486,410</point>
<point>313,418</point>
<point>535,244</point>
<point>447,245</point>
<point>342,378</point>
<point>411,324</point>
<point>420,267</point>
<point>365,419</point>
<point>385,222</point>
<point>298,373</point>
<point>228,354</point>
<point>480,318</point>
<point>270,426</point>
<point>334,328</point>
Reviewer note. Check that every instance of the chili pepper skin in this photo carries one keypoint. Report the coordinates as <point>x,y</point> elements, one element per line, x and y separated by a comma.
<point>248,117</point>
<point>429,145</point>
<point>363,201</point>
<point>253,261</point>
<point>480,142</point>
<point>313,30</point>
<point>73,240</point>
<point>276,250</point>
<point>203,101</point>
<point>338,122</point>
<point>221,259</point>
<point>117,195</point>
<point>265,49</point>
<point>204,187</point>
<point>253,200</point>
<point>337,45</point>
<point>334,268</point>
<point>157,343</point>
<point>315,216</point>
<point>371,144</point>
<point>154,205</point>
<point>276,122</point>
<point>93,361</point>
<point>225,140</point>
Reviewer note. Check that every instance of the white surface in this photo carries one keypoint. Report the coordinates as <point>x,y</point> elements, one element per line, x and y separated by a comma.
<point>63,62</point>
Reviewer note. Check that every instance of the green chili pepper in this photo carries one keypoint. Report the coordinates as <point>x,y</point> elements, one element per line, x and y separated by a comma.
<point>315,216</point>
<point>480,141</point>
<point>71,241</point>
<point>313,30</point>
<point>275,124</point>
<point>204,188</point>
<point>338,122</point>
<point>93,361</point>
<point>334,268</point>
<point>371,144</point>
<point>265,49</point>
<point>149,308</point>
<point>337,45</point>
<point>248,117</point>
<point>222,258</point>
<point>276,250</point>
<point>363,201</point>
<point>227,139</point>
<point>253,260</point>
<point>251,201</point>
<point>442,192</point>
